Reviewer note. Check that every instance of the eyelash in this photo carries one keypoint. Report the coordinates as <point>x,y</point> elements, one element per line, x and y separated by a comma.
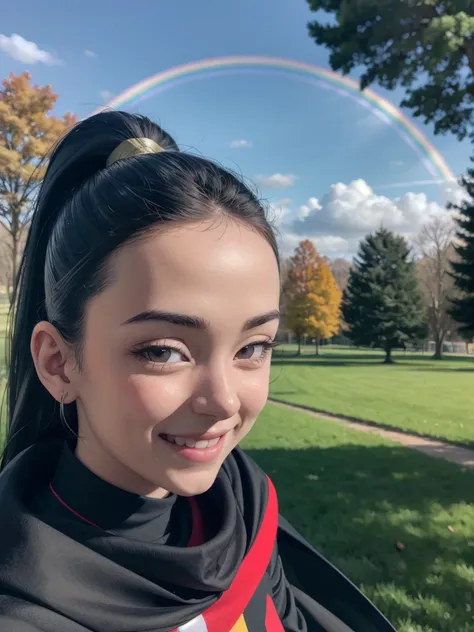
<point>141,353</point>
<point>267,345</point>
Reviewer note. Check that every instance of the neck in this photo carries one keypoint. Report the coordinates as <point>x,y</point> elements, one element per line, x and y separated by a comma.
<point>104,465</point>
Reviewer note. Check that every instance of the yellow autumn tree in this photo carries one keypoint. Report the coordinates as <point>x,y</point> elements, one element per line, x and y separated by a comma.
<point>312,305</point>
<point>300,301</point>
<point>28,131</point>
<point>326,297</point>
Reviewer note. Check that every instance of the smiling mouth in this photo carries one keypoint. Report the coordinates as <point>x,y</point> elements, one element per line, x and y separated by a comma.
<point>188,442</point>
<point>195,449</point>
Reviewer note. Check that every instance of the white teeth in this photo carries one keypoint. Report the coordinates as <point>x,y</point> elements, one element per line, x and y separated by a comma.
<point>191,443</point>
<point>201,444</point>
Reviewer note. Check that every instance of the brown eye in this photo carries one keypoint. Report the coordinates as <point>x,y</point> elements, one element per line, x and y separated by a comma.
<point>160,354</point>
<point>254,351</point>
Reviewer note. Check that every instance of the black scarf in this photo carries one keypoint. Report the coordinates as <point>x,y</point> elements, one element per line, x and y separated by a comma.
<point>80,577</point>
<point>113,583</point>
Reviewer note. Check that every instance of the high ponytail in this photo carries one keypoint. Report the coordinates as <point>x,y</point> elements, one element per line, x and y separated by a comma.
<point>86,209</point>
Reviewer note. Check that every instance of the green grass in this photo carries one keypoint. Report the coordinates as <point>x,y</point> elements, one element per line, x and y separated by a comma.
<point>417,394</point>
<point>354,496</point>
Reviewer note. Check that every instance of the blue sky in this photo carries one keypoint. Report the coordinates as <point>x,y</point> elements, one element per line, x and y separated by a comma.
<point>339,162</point>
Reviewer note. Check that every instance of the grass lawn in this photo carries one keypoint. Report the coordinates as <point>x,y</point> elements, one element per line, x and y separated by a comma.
<point>354,496</point>
<point>418,394</point>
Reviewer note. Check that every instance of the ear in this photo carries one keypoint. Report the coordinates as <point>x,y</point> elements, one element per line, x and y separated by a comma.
<point>54,362</point>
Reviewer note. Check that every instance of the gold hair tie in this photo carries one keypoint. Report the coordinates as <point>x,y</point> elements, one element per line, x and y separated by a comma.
<point>133,147</point>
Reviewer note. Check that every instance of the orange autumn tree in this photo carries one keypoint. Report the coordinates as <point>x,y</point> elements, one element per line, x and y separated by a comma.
<point>312,295</point>
<point>327,297</point>
<point>28,131</point>
<point>299,301</point>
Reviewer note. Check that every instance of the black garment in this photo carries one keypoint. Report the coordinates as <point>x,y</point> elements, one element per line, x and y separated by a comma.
<point>73,562</point>
<point>76,495</point>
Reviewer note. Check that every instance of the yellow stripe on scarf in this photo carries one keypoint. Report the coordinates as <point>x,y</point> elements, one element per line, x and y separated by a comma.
<point>240,626</point>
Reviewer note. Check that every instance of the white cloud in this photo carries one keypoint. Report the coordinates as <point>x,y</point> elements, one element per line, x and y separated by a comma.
<point>328,245</point>
<point>89,53</point>
<point>352,210</point>
<point>239,144</point>
<point>341,218</point>
<point>276,181</point>
<point>396,163</point>
<point>287,242</point>
<point>331,244</point>
<point>311,205</point>
<point>20,49</point>
<point>106,95</point>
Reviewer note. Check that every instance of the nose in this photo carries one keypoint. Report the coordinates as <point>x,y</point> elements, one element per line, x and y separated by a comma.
<point>217,396</point>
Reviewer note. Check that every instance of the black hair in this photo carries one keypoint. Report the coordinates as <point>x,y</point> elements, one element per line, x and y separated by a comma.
<point>84,211</point>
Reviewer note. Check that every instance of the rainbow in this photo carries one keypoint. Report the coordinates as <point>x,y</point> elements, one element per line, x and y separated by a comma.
<point>344,86</point>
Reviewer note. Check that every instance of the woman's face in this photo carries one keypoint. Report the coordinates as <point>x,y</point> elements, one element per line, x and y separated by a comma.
<point>176,356</point>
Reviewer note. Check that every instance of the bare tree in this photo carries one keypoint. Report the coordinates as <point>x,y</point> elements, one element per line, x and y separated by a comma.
<point>435,247</point>
<point>341,269</point>
<point>7,254</point>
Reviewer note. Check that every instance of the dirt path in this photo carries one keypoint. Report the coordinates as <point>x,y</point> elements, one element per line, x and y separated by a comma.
<point>438,449</point>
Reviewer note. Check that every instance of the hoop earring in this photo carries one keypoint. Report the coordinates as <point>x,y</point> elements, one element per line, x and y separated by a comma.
<point>62,415</point>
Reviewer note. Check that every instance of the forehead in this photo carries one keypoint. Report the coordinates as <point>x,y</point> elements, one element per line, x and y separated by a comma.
<point>208,269</point>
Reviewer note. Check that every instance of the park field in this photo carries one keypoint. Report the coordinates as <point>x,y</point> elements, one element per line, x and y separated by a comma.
<point>417,394</point>
<point>356,496</point>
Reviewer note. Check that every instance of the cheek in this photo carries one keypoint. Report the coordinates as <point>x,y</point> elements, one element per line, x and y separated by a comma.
<point>156,397</point>
<point>254,392</point>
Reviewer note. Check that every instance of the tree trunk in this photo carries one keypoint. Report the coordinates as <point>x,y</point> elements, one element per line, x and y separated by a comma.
<point>14,259</point>
<point>316,345</point>
<point>388,356</point>
<point>15,235</point>
<point>14,265</point>
<point>9,288</point>
<point>438,354</point>
<point>469,48</point>
<point>299,345</point>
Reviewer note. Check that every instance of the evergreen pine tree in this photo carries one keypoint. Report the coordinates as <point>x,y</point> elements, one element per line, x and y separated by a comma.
<point>382,304</point>
<point>463,266</point>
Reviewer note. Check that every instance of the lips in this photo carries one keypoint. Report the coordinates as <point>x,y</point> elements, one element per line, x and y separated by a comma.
<point>198,449</point>
<point>189,442</point>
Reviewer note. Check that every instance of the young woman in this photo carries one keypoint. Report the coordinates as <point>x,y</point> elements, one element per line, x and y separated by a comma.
<point>146,311</point>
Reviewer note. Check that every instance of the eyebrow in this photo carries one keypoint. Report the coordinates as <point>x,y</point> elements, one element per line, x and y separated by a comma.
<point>195,322</point>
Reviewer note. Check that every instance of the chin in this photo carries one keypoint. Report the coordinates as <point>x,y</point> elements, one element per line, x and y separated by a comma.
<point>191,483</point>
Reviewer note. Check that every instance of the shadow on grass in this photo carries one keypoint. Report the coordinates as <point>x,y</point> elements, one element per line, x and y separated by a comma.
<point>354,503</point>
<point>443,369</point>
